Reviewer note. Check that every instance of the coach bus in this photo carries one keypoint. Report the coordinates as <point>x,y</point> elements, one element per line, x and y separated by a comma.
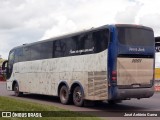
<point>111,62</point>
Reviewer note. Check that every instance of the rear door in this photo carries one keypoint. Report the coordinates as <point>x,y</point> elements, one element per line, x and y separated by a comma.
<point>134,72</point>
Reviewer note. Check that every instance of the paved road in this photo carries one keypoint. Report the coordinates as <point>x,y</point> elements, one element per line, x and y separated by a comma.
<point>151,104</point>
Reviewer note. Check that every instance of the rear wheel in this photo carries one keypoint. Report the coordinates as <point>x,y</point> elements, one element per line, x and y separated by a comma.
<point>16,91</point>
<point>64,95</point>
<point>78,96</point>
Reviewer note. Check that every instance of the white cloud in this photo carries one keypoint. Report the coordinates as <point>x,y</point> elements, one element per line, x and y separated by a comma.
<point>63,26</point>
<point>24,21</point>
<point>85,14</point>
<point>151,20</point>
<point>129,14</point>
<point>149,15</point>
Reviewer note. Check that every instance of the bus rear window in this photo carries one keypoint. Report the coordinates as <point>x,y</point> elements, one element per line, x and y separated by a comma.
<point>135,36</point>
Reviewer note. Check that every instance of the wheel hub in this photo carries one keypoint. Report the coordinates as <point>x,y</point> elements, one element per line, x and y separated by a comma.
<point>78,96</point>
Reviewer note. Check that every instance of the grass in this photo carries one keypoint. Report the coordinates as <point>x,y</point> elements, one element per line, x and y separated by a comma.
<point>10,104</point>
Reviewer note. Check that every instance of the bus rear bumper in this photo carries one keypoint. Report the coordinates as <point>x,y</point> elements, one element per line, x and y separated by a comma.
<point>123,94</point>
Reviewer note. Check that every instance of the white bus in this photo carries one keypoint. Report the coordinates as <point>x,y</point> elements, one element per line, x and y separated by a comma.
<point>111,62</point>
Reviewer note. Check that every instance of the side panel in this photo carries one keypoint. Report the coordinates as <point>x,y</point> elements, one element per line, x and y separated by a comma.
<point>43,76</point>
<point>97,85</point>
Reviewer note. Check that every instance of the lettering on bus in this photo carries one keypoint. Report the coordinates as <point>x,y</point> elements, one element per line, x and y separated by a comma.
<point>136,60</point>
<point>137,49</point>
<point>81,51</point>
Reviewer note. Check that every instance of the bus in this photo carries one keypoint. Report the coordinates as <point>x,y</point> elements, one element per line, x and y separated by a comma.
<point>108,63</point>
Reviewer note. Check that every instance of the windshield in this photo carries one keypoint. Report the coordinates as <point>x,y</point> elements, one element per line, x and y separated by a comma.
<point>135,36</point>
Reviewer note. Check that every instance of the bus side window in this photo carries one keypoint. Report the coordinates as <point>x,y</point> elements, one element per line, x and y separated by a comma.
<point>74,45</point>
<point>27,53</point>
<point>59,47</point>
<point>11,57</point>
<point>35,51</point>
<point>46,50</point>
<point>70,47</point>
<point>84,44</point>
<point>81,42</point>
<point>10,63</point>
<point>101,39</point>
<point>89,43</point>
<point>20,55</point>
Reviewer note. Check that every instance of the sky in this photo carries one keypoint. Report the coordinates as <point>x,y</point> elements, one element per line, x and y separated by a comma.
<point>26,21</point>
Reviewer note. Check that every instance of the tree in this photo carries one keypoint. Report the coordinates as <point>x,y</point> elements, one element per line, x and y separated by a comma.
<point>1,61</point>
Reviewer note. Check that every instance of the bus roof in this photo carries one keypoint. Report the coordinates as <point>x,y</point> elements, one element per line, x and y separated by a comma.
<point>134,25</point>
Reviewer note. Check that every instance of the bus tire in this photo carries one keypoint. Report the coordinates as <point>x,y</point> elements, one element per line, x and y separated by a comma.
<point>78,96</point>
<point>16,91</point>
<point>64,95</point>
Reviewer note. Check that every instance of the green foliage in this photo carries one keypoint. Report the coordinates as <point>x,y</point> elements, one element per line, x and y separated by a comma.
<point>1,61</point>
<point>10,104</point>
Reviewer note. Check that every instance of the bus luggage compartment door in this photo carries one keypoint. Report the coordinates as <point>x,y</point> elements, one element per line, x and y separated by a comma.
<point>134,72</point>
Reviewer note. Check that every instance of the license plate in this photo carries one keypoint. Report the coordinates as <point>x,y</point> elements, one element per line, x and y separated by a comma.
<point>135,86</point>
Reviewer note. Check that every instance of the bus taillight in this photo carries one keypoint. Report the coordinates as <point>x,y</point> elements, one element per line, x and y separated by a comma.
<point>114,75</point>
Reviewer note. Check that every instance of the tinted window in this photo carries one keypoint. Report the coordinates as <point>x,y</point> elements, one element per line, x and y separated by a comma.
<point>85,43</point>
<point>101,39</point>
<point>70,46</point>
<point>11,61</point>
<point>59,48</point>
<point>27,53</point>
<point>46,50</point>
<point>16,55</point>
<point>20,55</point>
<point>90,42</point>
<point>35,52</point>
<point>135,36</point>
<point>41,51</point>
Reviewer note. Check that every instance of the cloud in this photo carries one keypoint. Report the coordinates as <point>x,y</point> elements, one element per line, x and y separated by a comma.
<point>25,21</point>
<point>151,20</point>
<point>128,15</point>
<point>16,37</point>
<point>84,15</point>
<point>62,27</point>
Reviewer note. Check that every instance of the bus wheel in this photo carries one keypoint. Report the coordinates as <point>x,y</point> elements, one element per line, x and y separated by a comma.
<point>64,95</point>
<point>16,91</point>
<point>78,96</point>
